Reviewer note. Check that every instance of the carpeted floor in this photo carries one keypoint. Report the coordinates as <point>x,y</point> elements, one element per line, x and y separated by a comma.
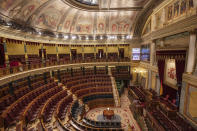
<point>123,114</point>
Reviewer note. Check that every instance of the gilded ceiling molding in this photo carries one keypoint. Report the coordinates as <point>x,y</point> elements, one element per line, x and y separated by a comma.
<point>190,79</point>
<point>29,20</point>
<point>184,25</point>
<point>63,18</point>
<point>6,32</point>
<point>85,7</point>
<point>148,66</point>
<point>143,16</point>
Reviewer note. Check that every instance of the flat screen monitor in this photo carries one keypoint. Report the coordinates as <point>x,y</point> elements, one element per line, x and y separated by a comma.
<point>135,53</point>
<point>145,53</point>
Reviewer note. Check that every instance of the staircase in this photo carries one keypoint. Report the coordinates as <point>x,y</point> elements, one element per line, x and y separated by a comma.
<point>114,88</point>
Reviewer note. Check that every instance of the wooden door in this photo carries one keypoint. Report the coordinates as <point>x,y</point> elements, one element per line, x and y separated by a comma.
<point>100,53</point>
<point>121,53</point>
<point>74,54</point>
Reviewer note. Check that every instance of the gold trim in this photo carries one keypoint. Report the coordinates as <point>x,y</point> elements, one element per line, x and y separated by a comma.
<point>186,103</point>
<point>189,73</point>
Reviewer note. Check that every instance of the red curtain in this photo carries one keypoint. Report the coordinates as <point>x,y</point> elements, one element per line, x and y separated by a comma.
<point>2,56</point>
<point>180,67</point>
<point>179,56</point>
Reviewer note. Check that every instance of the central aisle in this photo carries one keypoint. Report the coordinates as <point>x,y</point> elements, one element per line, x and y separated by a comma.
<point>122,114</point>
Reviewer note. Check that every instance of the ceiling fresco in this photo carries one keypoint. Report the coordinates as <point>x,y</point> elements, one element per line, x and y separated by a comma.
<point>57,16</point>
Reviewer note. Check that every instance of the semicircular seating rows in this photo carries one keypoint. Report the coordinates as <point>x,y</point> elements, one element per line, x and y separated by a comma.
<point>46,101</point>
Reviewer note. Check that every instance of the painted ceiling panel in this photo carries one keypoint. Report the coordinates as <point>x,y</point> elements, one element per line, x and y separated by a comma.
<point>121,22</point>
<point>66,26</point>
<point>50,16</point>
<point>84,23</point>
<point>101,23</point>
<point>25,9</point>
<point>59,16</point>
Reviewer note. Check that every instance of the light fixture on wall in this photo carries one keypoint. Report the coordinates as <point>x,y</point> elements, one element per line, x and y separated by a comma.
<point>66,37</point>
<point>74,37</point>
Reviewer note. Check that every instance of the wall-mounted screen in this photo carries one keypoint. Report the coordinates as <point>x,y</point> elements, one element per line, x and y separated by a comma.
<point>145,53</point>
<point>135,53</point>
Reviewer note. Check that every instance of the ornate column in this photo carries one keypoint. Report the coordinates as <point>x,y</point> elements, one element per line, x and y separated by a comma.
<point>191,53</point>
<point>43,60</point>
<point>182,98</point>
<point>152,54</point>
<point>83,52</point>
<point>106,51</point>
<point>57,51</point>
<point>70,53</point>
<point>6,52</point>
<point>149,79</point>
<point>25,50</point>
<point>118,46</point>
<point>94,51</point>
<point>158,85</point>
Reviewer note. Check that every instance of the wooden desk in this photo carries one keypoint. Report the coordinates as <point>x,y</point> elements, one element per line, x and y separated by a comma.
<point>108,114</point>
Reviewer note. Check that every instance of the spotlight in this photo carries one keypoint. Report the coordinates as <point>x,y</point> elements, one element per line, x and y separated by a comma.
<point>66,37</point>
<point>74,37</point>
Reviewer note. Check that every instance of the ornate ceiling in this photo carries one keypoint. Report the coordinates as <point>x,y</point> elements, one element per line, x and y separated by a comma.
<point>65,16</point>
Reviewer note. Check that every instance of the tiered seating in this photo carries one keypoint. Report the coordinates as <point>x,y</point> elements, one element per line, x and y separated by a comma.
<point>31,112</point>
<point>4,90</point>
<point>182,123</point>
<point>112,56</point>
<point>50,105</point>
<point>136,93</point>
<point>63,106</point>
<point>64,58</point>
<point>160,113</point>
<point>19,90</point>
<point>11,114</point>
<point>75,110</point>
<point>77,72</point>
<point>164,121</point>
<point>82,92</point>
<point>73,81</point>
<point>34,61</point>
<point>88,56</point>
<point>89,97</point>
<point>101,70</point>
<point>14,58</point>
<point>121,73</point>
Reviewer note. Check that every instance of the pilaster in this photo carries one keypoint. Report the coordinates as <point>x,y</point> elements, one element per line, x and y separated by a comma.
<point>182,98</point>
<point>158,85</point>
<point>191,53</point>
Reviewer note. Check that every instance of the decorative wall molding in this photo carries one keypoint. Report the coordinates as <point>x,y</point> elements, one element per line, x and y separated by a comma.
<point>6,32</point>
<point>185,25</point>
<point>190,79</point>
<point>148,66</point>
